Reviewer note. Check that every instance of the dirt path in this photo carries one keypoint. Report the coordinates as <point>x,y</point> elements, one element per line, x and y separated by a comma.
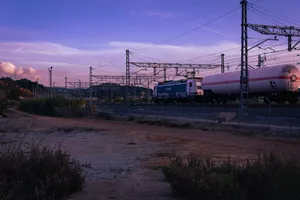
<point>123,155</point>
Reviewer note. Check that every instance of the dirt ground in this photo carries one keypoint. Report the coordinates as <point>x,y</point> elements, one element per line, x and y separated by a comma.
<point>124,156</point>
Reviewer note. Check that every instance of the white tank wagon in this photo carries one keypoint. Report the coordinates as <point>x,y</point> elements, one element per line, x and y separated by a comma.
<point>267,81</point>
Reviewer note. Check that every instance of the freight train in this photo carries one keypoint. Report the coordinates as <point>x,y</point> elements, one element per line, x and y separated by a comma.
<point>278,83</point>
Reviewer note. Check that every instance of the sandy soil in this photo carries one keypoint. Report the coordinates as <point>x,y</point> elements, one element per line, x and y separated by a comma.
<point>123,155</point>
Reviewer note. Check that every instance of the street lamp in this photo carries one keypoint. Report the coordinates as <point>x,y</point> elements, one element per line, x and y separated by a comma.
<point>50,80</point>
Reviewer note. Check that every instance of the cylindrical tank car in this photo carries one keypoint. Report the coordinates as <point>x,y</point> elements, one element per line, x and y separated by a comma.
<point>278,82</point>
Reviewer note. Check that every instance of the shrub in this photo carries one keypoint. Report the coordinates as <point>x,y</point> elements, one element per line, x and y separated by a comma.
<point>48,106</point>
<point>105,116</point>
<point>131,118</point>
<point>3,104</point>
<point>39,173</point>
<point>267,177</point>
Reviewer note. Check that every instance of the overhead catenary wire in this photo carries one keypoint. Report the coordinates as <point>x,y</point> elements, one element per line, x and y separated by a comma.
<point>256,1</point>
<point>255,10</point>
<point>262,53</point>
<point>217,53</point>
<point>185,33</point>
<point>189,31</point>
<point>141,55</point>
<point>169,39</point>
<point>264,15</point>
<point>275,15</point>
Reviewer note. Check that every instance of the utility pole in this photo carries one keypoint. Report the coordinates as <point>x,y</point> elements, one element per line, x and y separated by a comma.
<point>287,31</point>
<point>91,83</point>
<point>33,91</point>
<point>127,76</point>
<point>50,81</point>
<point>134,89</point>
<point>79,88</point>
<point>148,91</point>
<point>66,87</point>
<point>165,74</point>
<point>53,88</point>
<point>37,87</point>
<point>66,83</point>
<point>243,104</point>
<point>111,93</point>
<point>222,63</point>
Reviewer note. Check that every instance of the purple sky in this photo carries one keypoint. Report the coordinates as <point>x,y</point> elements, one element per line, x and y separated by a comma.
<point>72,35</point>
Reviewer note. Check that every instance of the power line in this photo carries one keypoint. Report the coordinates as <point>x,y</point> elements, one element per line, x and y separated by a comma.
<point>262,52</point>
<point>256,1</point>
<point>279,52</point>
<point>258,12</point>
<point>205,56</point>
<point>189,31</point>
<point>275,15</point>
<point>145,56</point>
<point>185,33</point>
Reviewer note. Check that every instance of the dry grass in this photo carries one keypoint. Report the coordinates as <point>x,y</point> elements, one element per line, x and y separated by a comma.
<point>267,177</point>
<point>31,170</point>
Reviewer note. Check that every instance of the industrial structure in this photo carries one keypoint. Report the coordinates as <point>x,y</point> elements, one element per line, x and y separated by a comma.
<point>288,31</point>
<point>242,84</point>
<point>278,83</point>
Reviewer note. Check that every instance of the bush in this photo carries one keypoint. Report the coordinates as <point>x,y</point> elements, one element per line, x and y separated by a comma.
<point>267,177</point>
<point>48,106</point>
<point>3,105</point>
<point>39,106</point>
<point>40,173</point>
<point>105,116</point>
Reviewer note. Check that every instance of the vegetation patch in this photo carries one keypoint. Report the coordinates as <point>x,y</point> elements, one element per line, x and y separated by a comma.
<point>3,103</point>
<point>131,143</point>
<point>38,173</point>
<point>269,176</point>
<point>48,106</point>
<point>78,129</point>
<point>105,116</point>
<point>163,123</point>
<point>157,167</point>
<point>164,154</point>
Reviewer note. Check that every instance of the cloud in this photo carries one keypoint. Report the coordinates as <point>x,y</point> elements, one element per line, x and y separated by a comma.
<point>161,14</point>
<point>212,30</point>
<point>109,59</point>
<point>74,63</point>
<point>7,69</point>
